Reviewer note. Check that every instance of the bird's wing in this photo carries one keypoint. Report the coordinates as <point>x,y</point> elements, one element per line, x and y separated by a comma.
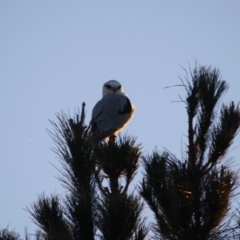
<point>112,112</point>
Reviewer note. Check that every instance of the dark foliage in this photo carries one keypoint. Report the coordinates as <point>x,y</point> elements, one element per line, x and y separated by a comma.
<point>115,161</point>
<point>191,198</point>
<point>86,208</point>
<point>77,215</point>
<point>75,150</point>
<point>5,234</point>
<point>119,213</point>
<point>48,214</point>
<point>119,216</point>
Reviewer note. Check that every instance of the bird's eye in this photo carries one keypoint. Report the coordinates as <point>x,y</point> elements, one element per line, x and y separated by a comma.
<point>108,86</point>
<point>119,87</point>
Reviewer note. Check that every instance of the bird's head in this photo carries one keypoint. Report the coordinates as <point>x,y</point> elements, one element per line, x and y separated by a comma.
<point>112,87</point>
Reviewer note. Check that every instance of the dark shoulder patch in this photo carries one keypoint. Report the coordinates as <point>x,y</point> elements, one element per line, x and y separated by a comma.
<point>93,126</point>
<point>127,108</point>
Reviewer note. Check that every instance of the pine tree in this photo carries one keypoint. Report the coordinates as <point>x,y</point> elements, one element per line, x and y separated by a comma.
<point>75,216</point>
<point>119,213</point>
<point>190,198</point>
<point>96,206</point>
<point>5,234</point>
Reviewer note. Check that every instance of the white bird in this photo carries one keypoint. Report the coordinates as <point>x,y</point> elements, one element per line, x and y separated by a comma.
<point>111,114</point>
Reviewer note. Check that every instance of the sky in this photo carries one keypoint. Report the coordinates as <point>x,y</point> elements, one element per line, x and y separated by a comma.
<point>54,55</point>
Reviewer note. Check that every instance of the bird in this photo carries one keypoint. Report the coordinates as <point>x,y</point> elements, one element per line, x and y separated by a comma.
<point>112,113</point>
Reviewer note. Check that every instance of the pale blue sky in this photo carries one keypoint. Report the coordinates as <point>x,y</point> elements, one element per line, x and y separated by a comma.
<point>56,54</point>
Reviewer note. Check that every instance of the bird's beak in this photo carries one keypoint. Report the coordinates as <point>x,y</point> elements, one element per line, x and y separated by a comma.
<point>114,90</point>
